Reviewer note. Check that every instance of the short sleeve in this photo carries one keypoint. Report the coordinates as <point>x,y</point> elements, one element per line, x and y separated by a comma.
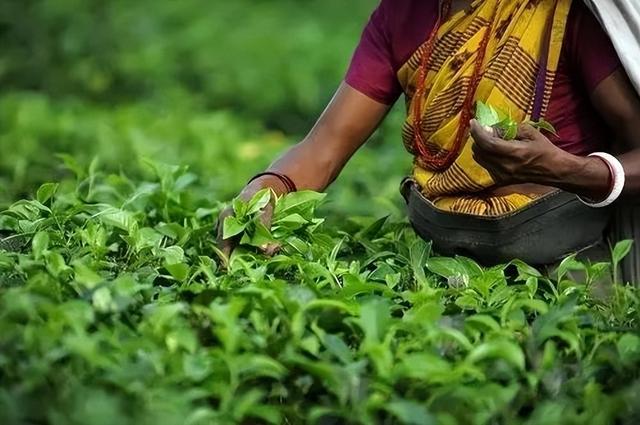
<point>593,55</point>
<point>371,71</point>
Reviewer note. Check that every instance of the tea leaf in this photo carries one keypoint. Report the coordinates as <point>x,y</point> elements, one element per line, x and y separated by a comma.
<point>446,267</point>
<point>86,276</point>
<point>545,125</point>
<point>232,227</point>
<point>629,348</point>
<point>46,191</point>
<point>295,202</point>
<point>499,349</point>
<point>375,319</point>
<point>509,131</point>
<point>410,412</point>
<point>258,201</point>
<point>621,250</point>
<point>40,244</point>
<point>486,115</point>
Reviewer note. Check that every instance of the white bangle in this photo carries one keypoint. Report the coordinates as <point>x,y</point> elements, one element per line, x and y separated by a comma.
<point>618,177</point>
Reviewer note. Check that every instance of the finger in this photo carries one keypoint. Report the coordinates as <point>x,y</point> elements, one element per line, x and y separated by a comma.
<point>267,215</point>
<point>488,142</point>
<point>528,132</point>
<point>482,160</point>
<point>225,245</point>
<point>489,167</point>
<point>484,138</point>
<point>492,131</point>
<point>265,219</point>
<point>271,249</point>
<point>477,150</point>
<point>483,157</point>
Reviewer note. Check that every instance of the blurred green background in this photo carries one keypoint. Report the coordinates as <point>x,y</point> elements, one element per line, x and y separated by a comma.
<point>220,86</point>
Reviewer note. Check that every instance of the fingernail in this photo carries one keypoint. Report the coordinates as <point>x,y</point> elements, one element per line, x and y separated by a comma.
<point>273,249</point>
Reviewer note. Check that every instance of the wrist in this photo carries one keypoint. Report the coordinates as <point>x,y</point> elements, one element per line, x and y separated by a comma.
<point>565,167</point>
<point>617,181</point>
<point>265,182</point>
<point>588,177</point>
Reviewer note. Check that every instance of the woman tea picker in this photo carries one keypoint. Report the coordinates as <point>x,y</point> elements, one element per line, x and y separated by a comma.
<point>538,197</point>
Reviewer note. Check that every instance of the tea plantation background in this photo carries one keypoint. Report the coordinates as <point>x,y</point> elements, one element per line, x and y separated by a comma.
<point>125,126</point>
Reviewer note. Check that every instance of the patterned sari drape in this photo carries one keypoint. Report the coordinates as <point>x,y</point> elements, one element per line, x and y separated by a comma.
<point>521,60</point>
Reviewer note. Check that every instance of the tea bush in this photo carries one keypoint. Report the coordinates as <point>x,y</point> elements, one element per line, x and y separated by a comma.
<point>115,309</point>
<point>36,130</point>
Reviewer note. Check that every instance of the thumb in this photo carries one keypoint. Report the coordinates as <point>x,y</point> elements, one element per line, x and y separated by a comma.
<point>266,218</point>
<point>225,245</point>
<point>482,135</point>
<point>527,132</point>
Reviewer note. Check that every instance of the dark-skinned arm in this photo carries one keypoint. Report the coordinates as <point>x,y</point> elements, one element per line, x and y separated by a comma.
<point>314,163</point>
<point>618,103</point>
<point>532,158</point>
<point>344,126</point>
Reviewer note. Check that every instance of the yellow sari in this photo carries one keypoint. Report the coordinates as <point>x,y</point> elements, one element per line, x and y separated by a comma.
<point>525,38</point>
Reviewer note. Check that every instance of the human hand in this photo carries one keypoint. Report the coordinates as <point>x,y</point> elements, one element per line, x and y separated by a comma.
<point>530,158</point>
<point>265,182</point>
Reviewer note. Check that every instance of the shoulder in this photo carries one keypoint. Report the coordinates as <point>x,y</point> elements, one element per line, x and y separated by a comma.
<point>400,6</point>
<point>406,24</point>
<point>588,47</point>
<point>399,13</point>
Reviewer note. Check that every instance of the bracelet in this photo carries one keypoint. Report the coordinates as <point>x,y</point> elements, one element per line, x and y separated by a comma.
<point>286,181</point>
<point>618,179</point>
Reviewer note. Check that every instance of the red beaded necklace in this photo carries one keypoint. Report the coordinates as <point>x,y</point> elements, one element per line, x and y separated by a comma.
<point>439,161</point>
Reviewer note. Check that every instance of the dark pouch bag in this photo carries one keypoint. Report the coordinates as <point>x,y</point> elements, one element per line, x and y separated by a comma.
<point>543,232</point>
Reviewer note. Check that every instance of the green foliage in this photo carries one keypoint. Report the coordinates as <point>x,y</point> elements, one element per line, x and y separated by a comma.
<point>503,123</point>
<point>221,148</point>
<point>119,300</point>
<point>125,126</point>
<point>275,60</point>
<point>292,218</point>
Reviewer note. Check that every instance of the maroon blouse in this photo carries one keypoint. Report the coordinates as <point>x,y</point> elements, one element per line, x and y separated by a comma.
<point>398,27</point>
